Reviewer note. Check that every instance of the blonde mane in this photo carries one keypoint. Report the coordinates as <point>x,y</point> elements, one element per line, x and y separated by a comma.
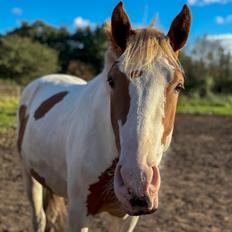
<point>143,48</point>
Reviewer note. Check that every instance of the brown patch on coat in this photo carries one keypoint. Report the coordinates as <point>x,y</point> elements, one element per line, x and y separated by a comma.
<point>23,118</point>
<point>120,100</point>
<point>48,104</point>
<point>102,197</point>
<point>170,106</point>
<point>40,179</point>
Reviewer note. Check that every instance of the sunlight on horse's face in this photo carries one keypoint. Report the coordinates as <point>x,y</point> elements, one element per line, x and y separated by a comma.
<point>143,129</point>
<point>143,105</point>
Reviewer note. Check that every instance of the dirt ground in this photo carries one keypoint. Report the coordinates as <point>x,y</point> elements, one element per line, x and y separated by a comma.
<point>196,189</point>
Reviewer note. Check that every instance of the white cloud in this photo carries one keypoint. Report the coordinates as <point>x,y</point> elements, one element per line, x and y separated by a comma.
<point>17,11</point>
<point>224,39</point>
<point>207,2</point>
<point>192,2</point>
<point>224,20</point>
<point>219,20</point>
<point>81,22</point>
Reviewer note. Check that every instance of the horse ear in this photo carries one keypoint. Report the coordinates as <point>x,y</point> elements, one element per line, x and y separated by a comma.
<point>120,26</point>
<point>180,27</point>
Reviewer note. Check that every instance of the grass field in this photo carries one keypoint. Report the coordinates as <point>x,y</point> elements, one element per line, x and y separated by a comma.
<point>219,105</point>
<point>215,104</point>
<point>8,107</point>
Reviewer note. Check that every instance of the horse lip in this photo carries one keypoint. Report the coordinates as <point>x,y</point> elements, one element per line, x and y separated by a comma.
<point>142,212</point>
<point>132,212</point>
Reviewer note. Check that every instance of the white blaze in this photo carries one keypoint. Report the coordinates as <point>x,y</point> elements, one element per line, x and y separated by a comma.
<point>141,135</point>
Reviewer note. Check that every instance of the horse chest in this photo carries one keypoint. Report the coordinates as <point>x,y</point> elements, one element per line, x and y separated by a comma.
<point>102,197</point>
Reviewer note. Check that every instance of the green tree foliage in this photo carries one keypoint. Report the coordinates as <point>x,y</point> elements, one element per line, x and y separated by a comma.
<point>34,49</point>
<point>22,60</point>
<point>208,68</point>
<point>86,45</point>
<point>91,48</point>
<point>80,69</point>
<point>55,38</point>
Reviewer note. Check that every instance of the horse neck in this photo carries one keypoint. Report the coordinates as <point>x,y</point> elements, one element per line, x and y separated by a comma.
<point>97,118</point>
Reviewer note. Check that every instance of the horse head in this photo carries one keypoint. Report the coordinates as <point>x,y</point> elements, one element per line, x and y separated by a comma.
<point>144,82</point>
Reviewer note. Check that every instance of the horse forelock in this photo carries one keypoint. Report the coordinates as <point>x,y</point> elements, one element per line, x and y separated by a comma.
<point>143,48</point>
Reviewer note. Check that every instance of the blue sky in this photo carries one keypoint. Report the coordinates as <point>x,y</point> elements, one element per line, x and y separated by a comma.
<point>211,17</point>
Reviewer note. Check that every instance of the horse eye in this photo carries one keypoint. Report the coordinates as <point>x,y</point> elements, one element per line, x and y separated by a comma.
<point>179,87</point>
<point>111,82</point>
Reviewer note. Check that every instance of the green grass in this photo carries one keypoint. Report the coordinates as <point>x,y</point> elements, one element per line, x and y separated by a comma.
<point>219,105</point>
<point>8,107</point>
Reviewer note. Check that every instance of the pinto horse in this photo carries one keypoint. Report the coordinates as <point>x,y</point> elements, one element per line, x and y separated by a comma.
<point>99,144</point>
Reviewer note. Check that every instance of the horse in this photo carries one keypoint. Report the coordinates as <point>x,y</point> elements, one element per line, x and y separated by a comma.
<point>99,144</point>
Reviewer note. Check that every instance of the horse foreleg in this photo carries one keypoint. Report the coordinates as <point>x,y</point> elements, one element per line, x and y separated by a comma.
<point>125,224</point>
<point>35,194</point>
<point>78,220</point>
<point>132,223</point>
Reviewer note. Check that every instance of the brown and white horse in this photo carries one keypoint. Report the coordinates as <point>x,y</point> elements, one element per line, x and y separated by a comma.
<point>99,144</point>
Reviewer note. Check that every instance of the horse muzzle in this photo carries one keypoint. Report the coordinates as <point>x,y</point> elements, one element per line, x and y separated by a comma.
<point>138,196</point>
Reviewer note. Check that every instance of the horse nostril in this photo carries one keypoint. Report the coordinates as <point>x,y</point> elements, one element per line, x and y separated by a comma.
<point>141,202</point>
<point>118,176</point>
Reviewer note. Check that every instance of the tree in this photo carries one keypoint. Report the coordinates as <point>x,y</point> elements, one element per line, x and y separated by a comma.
<point>22,60</point>
<point>89,47</point>
<point>55,38</point>
<point>208,68</point>
<point>81,70</point>
<point>86,44</point>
